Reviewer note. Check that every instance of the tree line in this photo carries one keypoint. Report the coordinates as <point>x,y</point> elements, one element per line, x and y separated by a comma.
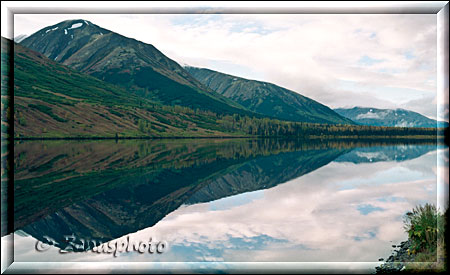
<point>268,127</point>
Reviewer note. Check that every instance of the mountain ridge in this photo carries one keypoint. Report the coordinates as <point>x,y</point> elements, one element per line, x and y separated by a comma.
<point>267,98</point>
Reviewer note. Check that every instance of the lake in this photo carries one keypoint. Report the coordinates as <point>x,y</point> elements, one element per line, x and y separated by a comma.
<point>230,201</point>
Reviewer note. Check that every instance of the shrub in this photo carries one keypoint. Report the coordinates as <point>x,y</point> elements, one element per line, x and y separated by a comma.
<point>425,227</point>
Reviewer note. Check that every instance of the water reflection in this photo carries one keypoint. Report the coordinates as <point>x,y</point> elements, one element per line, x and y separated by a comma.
<point>223,200</point>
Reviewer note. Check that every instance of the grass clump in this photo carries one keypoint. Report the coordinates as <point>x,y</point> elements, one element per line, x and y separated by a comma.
<point>425,226</point>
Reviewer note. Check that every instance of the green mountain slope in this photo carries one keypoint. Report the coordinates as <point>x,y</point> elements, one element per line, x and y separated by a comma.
<point>52,100</point>
<point>268,99</point>
<point>389,117</point>
<point>123,61</point>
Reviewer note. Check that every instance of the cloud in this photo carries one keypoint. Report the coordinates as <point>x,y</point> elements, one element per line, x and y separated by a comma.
<point>425,105</point>
<point>366,60</point>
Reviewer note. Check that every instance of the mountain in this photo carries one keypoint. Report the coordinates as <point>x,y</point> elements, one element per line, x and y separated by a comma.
<point>53,100</point>
<point>266,98</point>
<point>388,117</point>
<point>126,62</point>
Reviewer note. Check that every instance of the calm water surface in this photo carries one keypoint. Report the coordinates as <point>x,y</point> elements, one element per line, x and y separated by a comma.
<point>220,200</point>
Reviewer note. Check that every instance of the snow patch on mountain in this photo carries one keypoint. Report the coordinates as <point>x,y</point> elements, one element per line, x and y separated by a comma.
<point>404,123</point>
<point>75,26</point>
<point>371,114</point>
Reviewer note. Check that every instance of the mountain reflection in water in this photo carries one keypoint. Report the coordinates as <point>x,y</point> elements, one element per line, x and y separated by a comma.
<point>104,190</point>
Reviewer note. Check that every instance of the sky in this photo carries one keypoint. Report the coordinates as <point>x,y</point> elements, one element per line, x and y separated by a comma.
<point>340,60</point>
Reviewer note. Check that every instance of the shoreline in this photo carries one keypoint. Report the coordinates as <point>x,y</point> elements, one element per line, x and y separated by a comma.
<point>397,260</point>
<point>350,138</point>
<point>117,138</point>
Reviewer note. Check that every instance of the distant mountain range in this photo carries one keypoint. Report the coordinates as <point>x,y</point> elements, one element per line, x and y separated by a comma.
<point>267,98</point>
<point>388,117</point>
<point>76,79</point>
